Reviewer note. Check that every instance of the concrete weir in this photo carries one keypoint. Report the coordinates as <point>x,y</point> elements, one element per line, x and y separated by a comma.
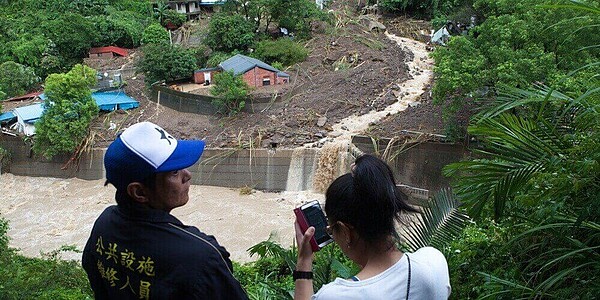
<point>262,169</point>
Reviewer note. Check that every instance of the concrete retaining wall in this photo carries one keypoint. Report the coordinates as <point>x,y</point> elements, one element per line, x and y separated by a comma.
<point>260,169</point>
<point>418,165</point>
<point>183,102</point>
<point>284,169</point>
<point>199,104</point>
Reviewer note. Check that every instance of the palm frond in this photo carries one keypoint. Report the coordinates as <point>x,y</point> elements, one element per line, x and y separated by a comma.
<point>515,149</point>
<point>510,98</point>
<point>508,287</point>
<point>440,222</point>
<point>575,4</point>
<point>268,248</point>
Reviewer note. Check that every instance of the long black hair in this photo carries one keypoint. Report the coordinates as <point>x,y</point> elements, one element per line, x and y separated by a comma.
<point>368,199</point>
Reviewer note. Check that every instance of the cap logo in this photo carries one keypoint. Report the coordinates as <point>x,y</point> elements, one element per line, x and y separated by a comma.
<point>164,135</point>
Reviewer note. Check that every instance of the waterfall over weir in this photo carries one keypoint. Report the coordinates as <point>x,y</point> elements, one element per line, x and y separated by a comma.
<point>302,165</point>
<point>313,169</point>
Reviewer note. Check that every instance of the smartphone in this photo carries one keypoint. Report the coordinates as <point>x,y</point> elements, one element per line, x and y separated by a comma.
<point>311,214</point>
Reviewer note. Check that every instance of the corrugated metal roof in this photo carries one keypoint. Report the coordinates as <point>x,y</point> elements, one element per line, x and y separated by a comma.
<point>207,69</point>
<point>6,116</point>
<point>24,97</point>
<point>241,64</point>
<point>110,100</point>
<point>113,49</point>
<point>30,113</point>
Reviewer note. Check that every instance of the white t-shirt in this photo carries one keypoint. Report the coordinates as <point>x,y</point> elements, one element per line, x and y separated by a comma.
<point>429,280</point>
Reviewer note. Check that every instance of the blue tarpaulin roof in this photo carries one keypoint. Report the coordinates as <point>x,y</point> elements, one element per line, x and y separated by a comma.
<point>111,100</point>
<point>7,116</point>
<point>114,100</point>
<point>30,113</point>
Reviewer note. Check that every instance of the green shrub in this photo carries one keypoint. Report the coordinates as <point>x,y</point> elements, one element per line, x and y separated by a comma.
<point>39,278</point>
<point>166,62</point>
<point>281,50</point>
<point>479,248</point>
<point>174,18</point>
<point>231,92</point>
<point>155,34</point>
<point>218,57</point>
<point>16,79</point>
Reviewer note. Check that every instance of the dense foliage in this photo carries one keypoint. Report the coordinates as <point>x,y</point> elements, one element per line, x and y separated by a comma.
<point>69,110</point>
<point>296,16</point>
<point>427,8</point>
<point>16,79</point>
<point>52,36</point>
<point>536,171</point>
<point>155,34</point>
<point>39,278</point>
<point>231,92</point>
<point>516,43</point>
<point>166,62</point>
<point>230,32</point>
<point>282,50</point>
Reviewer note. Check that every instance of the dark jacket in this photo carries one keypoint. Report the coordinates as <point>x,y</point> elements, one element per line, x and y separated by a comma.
<point>137,253</point>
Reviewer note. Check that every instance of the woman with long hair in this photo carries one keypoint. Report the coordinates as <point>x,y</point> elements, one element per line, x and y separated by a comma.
<point>363,208</point>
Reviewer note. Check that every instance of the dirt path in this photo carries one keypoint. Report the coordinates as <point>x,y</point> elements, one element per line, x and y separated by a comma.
<point>46,213</point>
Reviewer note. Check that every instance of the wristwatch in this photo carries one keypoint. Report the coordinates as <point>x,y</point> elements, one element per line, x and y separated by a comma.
<point>302,275</point>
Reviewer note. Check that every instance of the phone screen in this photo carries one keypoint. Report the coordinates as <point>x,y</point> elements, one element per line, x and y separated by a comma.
<point>316,218</point>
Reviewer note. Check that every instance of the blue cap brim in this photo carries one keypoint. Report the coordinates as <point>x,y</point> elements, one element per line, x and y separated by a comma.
<point>185,155</point>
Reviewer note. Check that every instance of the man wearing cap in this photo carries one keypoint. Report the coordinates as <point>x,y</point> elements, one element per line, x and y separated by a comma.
<point>137,249</point>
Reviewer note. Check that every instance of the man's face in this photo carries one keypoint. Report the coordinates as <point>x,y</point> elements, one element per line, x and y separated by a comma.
<point>171,190</point>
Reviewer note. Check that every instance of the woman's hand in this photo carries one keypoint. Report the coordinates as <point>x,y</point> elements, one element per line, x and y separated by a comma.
<point>305,253</point>
<point>303,287</point>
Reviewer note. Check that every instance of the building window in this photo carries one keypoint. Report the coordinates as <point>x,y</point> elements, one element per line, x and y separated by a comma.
<point>266,81</point>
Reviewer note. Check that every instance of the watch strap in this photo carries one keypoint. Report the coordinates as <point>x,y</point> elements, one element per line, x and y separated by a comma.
<point>302,275</point>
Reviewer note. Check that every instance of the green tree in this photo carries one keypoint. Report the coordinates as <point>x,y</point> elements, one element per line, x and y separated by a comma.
<point>16,79</point>
<point>536,171</point>
<point>231,92</point>
<point>427,9</point>
<point>29,49</point>
<point>72,34</point>
<point>296,16</point>
<point>218,57</point>
<point>166,62</point>
<point>282,50</point>
<point>2,97</point>
<point>155,34</point>
<point>230,32</point>
<point>174,18</point>
<point>120,28</point>
<point>69,109</point>
<point>160,11</point>
<point>517,43</point>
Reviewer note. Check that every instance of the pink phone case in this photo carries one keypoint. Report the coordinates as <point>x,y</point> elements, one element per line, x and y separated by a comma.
<point>304,226</point>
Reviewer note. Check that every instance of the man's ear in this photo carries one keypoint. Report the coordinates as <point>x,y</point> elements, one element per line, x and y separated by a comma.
<point>137,192</point>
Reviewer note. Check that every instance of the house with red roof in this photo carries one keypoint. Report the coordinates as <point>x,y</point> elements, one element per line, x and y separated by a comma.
<point>107,52</point>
